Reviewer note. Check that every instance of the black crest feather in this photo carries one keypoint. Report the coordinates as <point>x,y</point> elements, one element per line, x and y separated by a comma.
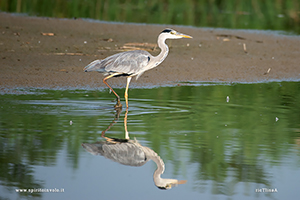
<point>167,30</point>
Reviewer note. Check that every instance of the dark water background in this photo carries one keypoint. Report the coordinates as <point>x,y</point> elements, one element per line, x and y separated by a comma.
<point>226,140</point>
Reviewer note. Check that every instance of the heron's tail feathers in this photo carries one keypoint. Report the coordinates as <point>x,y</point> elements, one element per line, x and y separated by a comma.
<point>94,149</point>
<point>94,66</point>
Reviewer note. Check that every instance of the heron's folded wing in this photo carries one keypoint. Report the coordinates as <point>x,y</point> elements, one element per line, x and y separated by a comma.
<point>130,62</point>
<point>125,153</point>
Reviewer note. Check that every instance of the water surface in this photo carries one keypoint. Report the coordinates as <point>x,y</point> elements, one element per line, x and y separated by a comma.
<point>229,141</point>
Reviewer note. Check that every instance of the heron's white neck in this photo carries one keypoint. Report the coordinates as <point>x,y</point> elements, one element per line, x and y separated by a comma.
<point>164,49</point>
<point>160,167</point>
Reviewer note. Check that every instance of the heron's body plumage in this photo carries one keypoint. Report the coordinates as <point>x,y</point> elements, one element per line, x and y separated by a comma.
<point>129,63</point>
<point>126,153</point>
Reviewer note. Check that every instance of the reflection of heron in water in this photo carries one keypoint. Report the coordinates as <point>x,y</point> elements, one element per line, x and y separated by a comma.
<point>130,152</point>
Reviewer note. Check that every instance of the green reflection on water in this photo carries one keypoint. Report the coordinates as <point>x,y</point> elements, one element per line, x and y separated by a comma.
<point>228,131</point>
<point>255,14</point>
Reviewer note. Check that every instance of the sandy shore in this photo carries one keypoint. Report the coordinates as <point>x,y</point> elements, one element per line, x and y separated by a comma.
<point>51,53</point>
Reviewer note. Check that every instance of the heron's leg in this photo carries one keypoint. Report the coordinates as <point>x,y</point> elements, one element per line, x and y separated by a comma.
<point>118,112</point>
<point>126,90</point>
<point>125,125</point>
<point>118,104</point>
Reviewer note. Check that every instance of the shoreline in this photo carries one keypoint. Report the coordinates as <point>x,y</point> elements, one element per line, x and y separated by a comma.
<point>28,90</point>
<point>51,53</point>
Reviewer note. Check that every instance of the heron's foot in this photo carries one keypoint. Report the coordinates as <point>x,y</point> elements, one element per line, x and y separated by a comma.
<point>118,104</point>
<point>110,140</point>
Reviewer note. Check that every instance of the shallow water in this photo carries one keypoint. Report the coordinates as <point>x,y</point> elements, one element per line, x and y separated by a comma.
<point>227,141</point>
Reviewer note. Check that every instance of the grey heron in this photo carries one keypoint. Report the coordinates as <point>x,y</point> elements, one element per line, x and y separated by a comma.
<point>132,153</point>
<point>133,63</point>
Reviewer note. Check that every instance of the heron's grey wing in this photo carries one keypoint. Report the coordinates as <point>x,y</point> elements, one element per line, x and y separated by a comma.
<point>129,62</point>
<point>124,153</point>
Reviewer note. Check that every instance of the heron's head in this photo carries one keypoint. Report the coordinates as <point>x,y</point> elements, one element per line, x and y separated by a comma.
<point>167,184</point>
<point>172,34</point>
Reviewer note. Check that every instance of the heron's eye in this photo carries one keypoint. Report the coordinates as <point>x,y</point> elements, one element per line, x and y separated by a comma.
<point>173,32</point>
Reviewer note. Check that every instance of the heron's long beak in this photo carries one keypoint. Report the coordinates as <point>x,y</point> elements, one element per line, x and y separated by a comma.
<point>181,182</point>
<point>177,182</point>
<point>184,35</point>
